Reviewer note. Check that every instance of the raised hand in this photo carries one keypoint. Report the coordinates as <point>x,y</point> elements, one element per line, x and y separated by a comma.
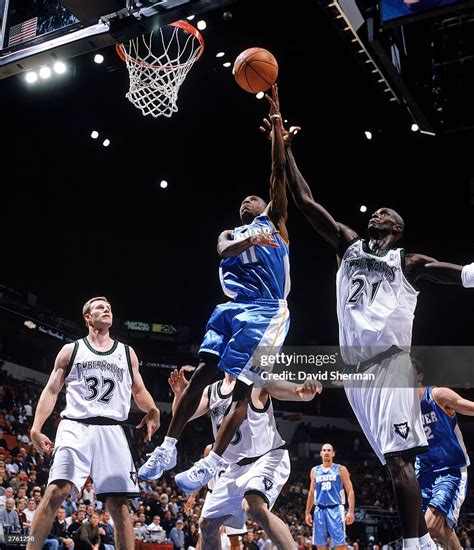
<point>287,135</point>
<point>177,381</point>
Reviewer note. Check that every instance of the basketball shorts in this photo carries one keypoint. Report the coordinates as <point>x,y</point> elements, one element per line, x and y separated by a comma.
<point>265,477</point>
<point>101,452</point>
<point>329,523</point>
<point>240,334</point>
<point>387,407</point>
<point>444,491</point>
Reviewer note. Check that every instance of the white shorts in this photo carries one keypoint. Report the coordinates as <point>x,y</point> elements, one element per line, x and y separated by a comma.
<point>265,477</point>
<point>83,450</point>
<point>388,408</point>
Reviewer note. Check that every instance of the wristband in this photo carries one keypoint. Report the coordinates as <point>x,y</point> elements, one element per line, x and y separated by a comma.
<point>467,276</point>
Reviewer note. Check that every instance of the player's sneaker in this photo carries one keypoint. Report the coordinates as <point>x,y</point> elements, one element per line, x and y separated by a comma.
<point>197,476</point>
<point>160,459</point>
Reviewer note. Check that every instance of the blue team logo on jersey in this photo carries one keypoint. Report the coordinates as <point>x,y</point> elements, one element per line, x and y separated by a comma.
<point>402,429</point>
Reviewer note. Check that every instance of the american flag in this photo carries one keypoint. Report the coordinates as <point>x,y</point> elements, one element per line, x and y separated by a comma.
<point>22,32</point>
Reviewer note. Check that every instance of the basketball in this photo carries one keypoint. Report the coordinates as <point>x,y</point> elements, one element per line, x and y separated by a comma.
<point>255,70</point>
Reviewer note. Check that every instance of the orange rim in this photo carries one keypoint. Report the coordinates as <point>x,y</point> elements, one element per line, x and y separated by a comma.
<point>185,26</point>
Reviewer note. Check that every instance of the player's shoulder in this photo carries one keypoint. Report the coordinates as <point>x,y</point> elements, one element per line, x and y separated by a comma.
<point>342,468</point>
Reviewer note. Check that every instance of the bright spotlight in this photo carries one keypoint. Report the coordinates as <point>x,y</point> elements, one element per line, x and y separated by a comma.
<point>226,64</point>
<point>98,58</point>
<point>59,67</point>
<point>94,134</point>
<point>220,54</point>
<point>363,208</point>
<point>260,95</point>
<point>45,72</point>
<point>415,127</point>
<point>106,142</point>
<point>368,134</point>
<point>190,17</point>
<point>201,25</point>
<point>31,77</point>
<point>163,184</point>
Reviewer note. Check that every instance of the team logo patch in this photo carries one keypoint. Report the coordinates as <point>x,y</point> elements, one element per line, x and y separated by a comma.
<point>134,477</point>
<point>402,429</point>
<point>267,483</point>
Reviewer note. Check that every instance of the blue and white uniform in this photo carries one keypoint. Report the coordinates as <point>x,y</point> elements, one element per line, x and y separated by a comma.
<point>329,499</point>
<point>442,471</point>
<point>257,319</point>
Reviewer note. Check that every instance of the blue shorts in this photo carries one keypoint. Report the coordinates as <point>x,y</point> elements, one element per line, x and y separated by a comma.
<point>329,523</point>
<point>444,491</point>
<point>241,334</point>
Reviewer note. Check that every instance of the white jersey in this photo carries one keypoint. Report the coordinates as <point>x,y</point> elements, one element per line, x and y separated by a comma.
<point>375,302</point>
<point>257,434</point>
<point>98,383</point>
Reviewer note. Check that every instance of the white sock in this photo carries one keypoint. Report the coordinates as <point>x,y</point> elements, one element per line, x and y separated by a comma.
<point>213,459</point>
<point>411,544</point>
<point>169,442</point>
<point>426,542</point>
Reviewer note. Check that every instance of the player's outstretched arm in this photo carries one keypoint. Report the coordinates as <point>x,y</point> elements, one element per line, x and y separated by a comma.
<point>335,233</point>
<point>278,207</point>
<point>346,480</point>
<point>420,266</point>
<point>228,247</point>
<point>178,383</point>
<point>48,399</point>
<point>451,401</point>
<point>287,391</point>
<point>144,400</point>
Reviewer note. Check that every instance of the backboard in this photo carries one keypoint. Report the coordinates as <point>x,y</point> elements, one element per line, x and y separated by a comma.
<point>34,33</point>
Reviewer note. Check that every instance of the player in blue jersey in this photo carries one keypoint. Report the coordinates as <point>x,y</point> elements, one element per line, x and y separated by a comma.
<point>442,471</point>
<point>326,493</point>
<point>254,273</point>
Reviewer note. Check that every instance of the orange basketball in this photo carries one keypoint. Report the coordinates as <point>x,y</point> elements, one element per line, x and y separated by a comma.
<point>255,70</point>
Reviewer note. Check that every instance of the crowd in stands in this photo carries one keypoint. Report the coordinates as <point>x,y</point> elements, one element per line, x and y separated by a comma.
<point>162,512</point>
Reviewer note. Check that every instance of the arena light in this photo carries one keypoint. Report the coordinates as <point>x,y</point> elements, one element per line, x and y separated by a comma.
<point>59,67</point>
<point>363,208</point>
<point>31,77</point>
<point>201,25</point>
<point>190,17</point>
<point>45,72</point>
<point>94,134</point>
<point>260,95</point>
<point>106,142</point>
<point>163,184</point>
<point>368,134</point>
<point>226,64</point>
<point>415,127</point>
<point>30,324</point>
<point>98,58</point>
<point>220,54</point>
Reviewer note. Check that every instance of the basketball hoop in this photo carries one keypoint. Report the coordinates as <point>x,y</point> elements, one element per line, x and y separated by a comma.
<point>156,76</point>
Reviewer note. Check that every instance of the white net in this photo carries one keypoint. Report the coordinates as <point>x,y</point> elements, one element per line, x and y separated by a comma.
<point>158,63</point>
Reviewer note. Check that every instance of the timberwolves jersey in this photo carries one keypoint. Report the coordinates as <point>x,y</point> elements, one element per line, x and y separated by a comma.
<point>260,272</point>
<point>257,434</point>
<point>328,487</point>
<point>99,383</point>
<point>375,302</point>
<point>444,437</point>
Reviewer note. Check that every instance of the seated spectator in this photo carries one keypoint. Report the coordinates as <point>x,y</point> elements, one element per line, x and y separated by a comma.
<point>88,493</point>
<point>108,536</point>
<point>177,535</point>
<point>8,493</point>
<point>156,533</point>
<point>139,530</point>
<point>191,538</point>
<point>30,510</point>
<point>88,535</point>
<point>20,509</point>
<point>9,517</point>
<point>76,524</point>
<point>59,530</point>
